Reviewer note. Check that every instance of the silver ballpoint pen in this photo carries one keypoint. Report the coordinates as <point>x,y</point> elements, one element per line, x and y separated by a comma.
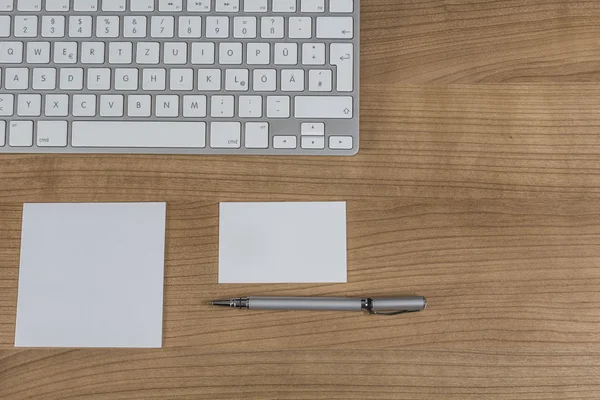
<point>378,305</point>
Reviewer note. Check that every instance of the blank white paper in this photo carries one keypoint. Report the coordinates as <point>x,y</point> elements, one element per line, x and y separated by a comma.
<point>91,275</point>
<point>282,242</point>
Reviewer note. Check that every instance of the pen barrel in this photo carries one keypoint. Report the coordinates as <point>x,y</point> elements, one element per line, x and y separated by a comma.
<point>304,303</point>
<point>390,304</point>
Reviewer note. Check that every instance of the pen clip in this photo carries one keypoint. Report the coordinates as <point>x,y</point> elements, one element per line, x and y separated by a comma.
<point>392,312</point>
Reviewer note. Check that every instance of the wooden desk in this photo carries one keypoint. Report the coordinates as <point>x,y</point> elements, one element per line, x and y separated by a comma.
<point>478,185</point>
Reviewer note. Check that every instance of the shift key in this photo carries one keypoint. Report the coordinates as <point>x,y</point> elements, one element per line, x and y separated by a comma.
<point>323,107</point>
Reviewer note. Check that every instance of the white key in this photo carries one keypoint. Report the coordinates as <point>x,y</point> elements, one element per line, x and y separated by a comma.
<point>292,80</point>
<point>138,134</point>
<point>154,79</point>
<point>44,79</point>
<point>271,27</point>
<point>2,133</point>
<point>71,79</point>
<point>284,142</point>
<point>4,30</point>
<point>198,5</point>
<point>283,6</point>
<point>6,105</point>
<point>227,5</point>
<point>335,27</point>
<point>16,78</point>
<point>113,5</point>
<point>209,79</point>
<point>342,56</point>
<point>51,133</point>
<point>98,79</point>
<point>313,142</point>
<point>258,53</point>
<point>111,105</point>
<point>222,106</point>
<point>29,105</point>
<point>53,26</point>
<point>134,27</point>
<point>312,6</point>
<point>175,53</point>
<point>11,52</point>
<point>26,26</point>
<point>126,79</point>
<point>224,135</point>
<point>340,142</point>
<point>84,105</point>
<point>300,28</point>
<point>319,80</point>
<point>120,52</point>
<point>312,129</point>
<point>147,53</point>
<point>56,105</point>
<point>181,79</point>
<point>265,80</point>
<point>38,52</point>
<point>230,53</point>
<point>313,53</point>
<point>167,106</point>
<point>85,5</point>
<point>203,53</point>
<point>57,5</point>
<point>6,5</point>
<point>190,27</point>
<point>257,135</point>
<point>244,27</point>
<point>107,26</point>
<point>80,26</point>
<point>194,106</point>
<point>92,53</point>
<point>236,80</point>
<point>29,5</point>
<point>286,53</point>
<point>170,5</point>
<point>64,52</point>
<point>250,107</point>
<point>20,134</point>
<point>217,27</point>
<point>323,107</point>
<point>162,27</point>
<point>278,107</point>
<point>139,105</point>
<point>141,5</point>
<point>341,6</point>
<point>255,6</point>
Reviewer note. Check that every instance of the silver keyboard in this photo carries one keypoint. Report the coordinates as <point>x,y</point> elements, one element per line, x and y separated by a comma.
<point>179,77</point>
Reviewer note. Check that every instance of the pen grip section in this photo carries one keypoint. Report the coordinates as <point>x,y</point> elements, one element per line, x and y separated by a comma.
<point>304,303</point>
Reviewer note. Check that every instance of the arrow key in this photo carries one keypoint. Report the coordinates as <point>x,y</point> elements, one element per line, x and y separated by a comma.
<point>340,142</point>
<point>316,142</point>
<point>312,129</point>
<point>284,142</point>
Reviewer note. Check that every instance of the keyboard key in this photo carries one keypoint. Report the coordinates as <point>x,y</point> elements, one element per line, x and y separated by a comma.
<point>340,142</point>
<point>341,6</point>
<point>265,80</point>
<point>52,133</point>
<point>107,26</point>
<point>190,27</point>
<point>335,27</point>
<point>111,105</point>
<point>203,53</point>
<point>20,134</point>
<point>6,5</point>
<point>199,5</point>
<point>284,142</point>
<point>98,79</point>
<point>222,106</point>
<point>5,26</point>
<point>323,107</point>
<point>2,133</point>
<point>312,129</point>
<point>80,26</point>
<point>278,107</point>
<point>236,80</point>
<point>170,5</point>
<point>85,5</point>
<point>56,105</point>
<point>154,79</point>
<point>284,6</point>
<point>271,27</point>
<point>250,106</point>
<point>255,6</point>
<point>139,105</point>
<point>181,79</point>
<point>225,135</point>
<point>71,79</point>
<point>217,27</point>
<point>120,53</point>
<point>194,106</point>
<point>256,135</point>
<point>38,52</point>
<point>342,56</point>
<point>175,53</point>
<point>147,53</point>
<point>139,134</point>
<point>6,105</point>
<point>57,5</point>
<point>29,105</point>
<point>92,53</point>
<point>162,27</point>
<point>244,27</point>
<point>142,5</point>
<point>258,53</point>
<point>286,53</point>
<point>113,5</point>
<point>312,6</point>
<point>11,52</point>
<point>319,80</point>
<point>29,5</point>
<point>134,27</point>
<point>44,79</point>
<point>209,79</point>
<point>52,26</point>
<point>16,78</point>
<point>126,79</point>
<point>167,106</point>
<point>230,53</point>
<point>227,5</point>
<point>313,142</point>
<point>292,80</point>
<point>84,105</point>
<point>26,26</point>
<point>300,28</point>
<point>313,53</point>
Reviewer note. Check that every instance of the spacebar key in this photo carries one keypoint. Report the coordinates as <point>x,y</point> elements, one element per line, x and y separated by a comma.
<point>323,107</point>
<point>138,134</point>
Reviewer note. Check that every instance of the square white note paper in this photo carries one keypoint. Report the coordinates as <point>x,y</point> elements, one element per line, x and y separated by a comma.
<point>282,242</point>
<point>91,275</point>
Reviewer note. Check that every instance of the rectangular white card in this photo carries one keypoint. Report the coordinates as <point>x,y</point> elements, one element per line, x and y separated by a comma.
<point>91,275</point>
<point>282,242</point>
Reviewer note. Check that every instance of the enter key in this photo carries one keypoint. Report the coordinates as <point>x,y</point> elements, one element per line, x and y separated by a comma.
<point>342,56</point>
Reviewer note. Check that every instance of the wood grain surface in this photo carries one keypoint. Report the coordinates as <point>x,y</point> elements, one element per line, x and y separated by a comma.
<point>477,185</point>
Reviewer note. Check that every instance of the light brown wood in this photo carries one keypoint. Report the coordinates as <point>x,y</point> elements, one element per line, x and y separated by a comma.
<point>477,185</point>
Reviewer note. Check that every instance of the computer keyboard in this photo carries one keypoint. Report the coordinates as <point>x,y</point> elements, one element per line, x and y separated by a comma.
<point>179,77</point>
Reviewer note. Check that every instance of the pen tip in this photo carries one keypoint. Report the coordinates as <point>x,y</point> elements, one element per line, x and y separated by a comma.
<point>210,303</point>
